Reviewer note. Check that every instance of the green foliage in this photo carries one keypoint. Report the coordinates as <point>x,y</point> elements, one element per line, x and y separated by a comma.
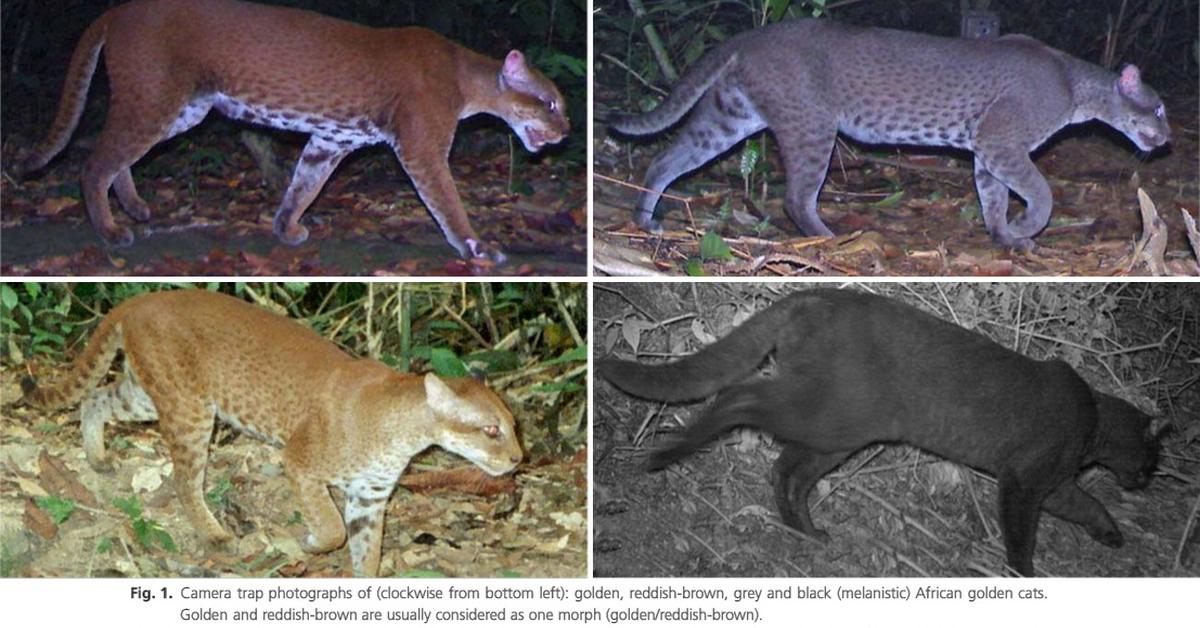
<point>892,199</point>
<point>147,532</point>
<point>218,496</point>
<point>713,247</point>
<point>59,509</point>
<point>446,364</point>
<point>515,332</point>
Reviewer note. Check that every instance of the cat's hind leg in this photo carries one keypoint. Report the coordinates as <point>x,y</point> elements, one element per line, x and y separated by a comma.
<point>143,112</point>
<point>793,475</point>
<point>191,115</point>
<point>122,400</point>
<point>723,118</point>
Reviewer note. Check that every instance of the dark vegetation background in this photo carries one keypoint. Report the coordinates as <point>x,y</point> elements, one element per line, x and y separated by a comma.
<point>893,510</point>
<point>38,36</point>
<point>1159,36</point>
<point>212,191</point>
<point>528,339</point>
<point>896,210</point>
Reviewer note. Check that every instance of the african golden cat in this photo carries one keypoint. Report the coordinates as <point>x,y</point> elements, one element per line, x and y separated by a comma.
<point>170,62</point>
<point>191,356</point>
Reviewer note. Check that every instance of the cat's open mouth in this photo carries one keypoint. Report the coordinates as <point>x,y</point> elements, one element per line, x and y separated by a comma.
<point>535,139</point>
<point>1150,141</point>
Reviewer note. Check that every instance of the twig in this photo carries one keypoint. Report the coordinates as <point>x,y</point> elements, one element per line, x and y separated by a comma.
<point>637,76</point>
<point>566,316</point>
<point>656,45</point>
<point>1187,528</point>
<point>467,326</point>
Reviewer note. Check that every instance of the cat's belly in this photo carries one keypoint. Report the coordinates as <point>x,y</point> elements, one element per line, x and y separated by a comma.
<point>357,131</point>
<point>888,130</point>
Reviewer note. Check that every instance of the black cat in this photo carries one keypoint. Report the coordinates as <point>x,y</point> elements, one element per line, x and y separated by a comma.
<point>854,369</point>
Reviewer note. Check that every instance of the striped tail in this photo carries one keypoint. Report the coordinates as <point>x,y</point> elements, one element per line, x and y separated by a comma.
<point>684,95</point>
<point>74,96</point>
<point>85,373</point>
<point>714,367</point>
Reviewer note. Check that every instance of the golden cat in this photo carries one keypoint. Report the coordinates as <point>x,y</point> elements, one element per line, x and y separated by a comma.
<point>192,356</point>
<point>170,62</point>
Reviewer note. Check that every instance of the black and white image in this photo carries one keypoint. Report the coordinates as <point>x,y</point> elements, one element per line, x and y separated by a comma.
<point>1005,399</point>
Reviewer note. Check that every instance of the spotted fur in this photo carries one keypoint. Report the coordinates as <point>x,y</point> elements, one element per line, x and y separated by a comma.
<point>171,62</point>
<point>193,356</point>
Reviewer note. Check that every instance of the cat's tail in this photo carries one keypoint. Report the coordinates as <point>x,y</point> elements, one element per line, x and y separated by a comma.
<point>714,367</point>
<point>74,96</point>
<point>85,372</point>
<point>684,95</point>
<point>739,405</point>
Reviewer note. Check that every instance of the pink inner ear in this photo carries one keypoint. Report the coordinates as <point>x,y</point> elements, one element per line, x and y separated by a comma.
<point>1130,79</point>
<point>514,63</point>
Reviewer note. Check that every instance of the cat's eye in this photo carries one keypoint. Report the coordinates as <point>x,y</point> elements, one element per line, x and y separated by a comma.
<point>1160,112</point>
<point>492,431</point>
<point>551,105</point>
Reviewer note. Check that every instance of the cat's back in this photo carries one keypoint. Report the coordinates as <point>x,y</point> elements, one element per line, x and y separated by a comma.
<point>211,327</point>
<point>855,62</point>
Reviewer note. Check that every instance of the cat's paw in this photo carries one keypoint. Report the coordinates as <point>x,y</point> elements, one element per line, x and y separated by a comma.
<point>646,222</point>
<point>117,237</point>
<point>485,250</point>
<point>291,235</point>
<point>1107,536</point>
<point>1019,245</point>
<point>137,210</point>
<point>217,537</point>
<point>311,544</point>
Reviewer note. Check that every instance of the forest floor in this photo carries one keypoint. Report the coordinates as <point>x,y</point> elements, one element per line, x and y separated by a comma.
<point>890,510</point>
<point>912,213</point>
<point>535,526</point>
<point>212,210</point>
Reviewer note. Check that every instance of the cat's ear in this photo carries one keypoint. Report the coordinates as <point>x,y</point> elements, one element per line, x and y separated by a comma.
<point>516,74</point>
<point>1129,83</point>
<point>1158,425</point>
<point>437,393</point>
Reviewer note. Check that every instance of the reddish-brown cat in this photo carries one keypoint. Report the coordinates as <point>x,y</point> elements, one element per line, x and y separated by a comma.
<point>170,62</point>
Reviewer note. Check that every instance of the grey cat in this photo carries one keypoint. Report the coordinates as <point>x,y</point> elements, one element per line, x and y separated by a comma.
<point>808,79</point>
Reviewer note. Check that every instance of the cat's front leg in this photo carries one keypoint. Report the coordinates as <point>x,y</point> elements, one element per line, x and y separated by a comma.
<point>426,165</point>
<point>1071,503</point>
<point>993,205</point>
<point>364,527</point>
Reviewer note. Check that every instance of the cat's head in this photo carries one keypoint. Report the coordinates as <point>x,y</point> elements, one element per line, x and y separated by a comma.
<point>1127,441</point>
<point>473,422</point>
<point>1135,109</point>
<point>531,104</point>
